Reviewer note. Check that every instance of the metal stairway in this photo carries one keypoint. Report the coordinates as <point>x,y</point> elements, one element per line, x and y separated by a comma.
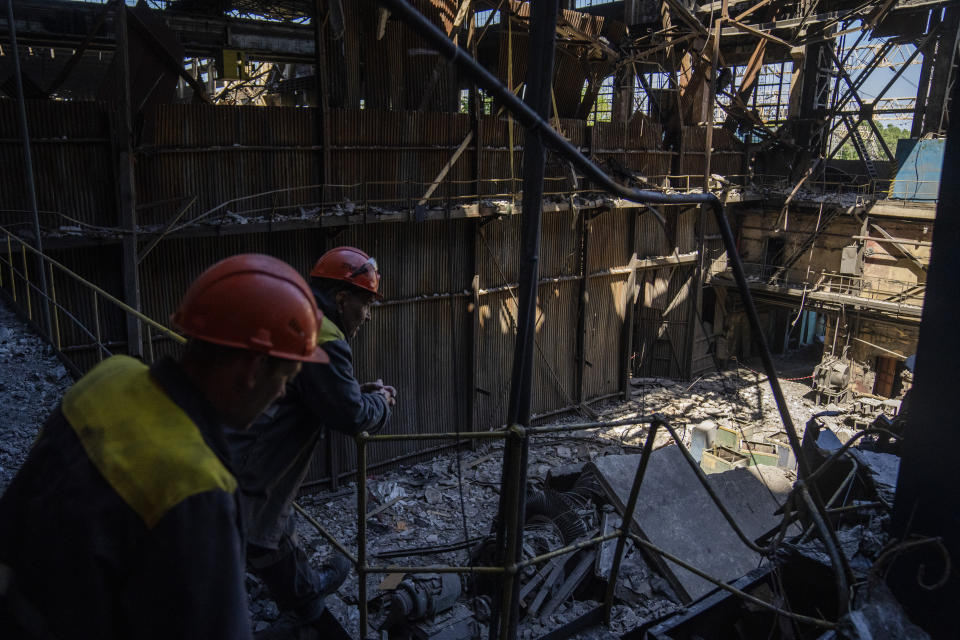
<point>861,148</point>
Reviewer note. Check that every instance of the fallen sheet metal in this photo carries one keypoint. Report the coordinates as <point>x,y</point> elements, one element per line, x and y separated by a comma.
<point>675,513</point>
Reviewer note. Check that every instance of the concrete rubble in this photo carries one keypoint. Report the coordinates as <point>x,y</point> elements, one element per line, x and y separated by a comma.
<point>675,513</point>
<point>421,508</point>
<point>32,381</point>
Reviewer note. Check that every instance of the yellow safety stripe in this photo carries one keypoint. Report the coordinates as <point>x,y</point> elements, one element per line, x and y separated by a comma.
<point>329,332</point>
<point>146,446</point>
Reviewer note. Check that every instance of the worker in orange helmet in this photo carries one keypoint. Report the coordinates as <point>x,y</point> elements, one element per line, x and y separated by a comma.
<point>274,455</point>
<point>124,520</point>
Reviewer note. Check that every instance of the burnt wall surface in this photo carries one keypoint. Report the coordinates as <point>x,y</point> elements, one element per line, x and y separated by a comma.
<point>444,334</point>
<point>884,264</point>
<point>219,154</point>
<point>445,343</point>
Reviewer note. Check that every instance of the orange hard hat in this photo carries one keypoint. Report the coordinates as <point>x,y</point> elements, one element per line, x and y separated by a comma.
<point>254,302</point>
<point>349,265</point>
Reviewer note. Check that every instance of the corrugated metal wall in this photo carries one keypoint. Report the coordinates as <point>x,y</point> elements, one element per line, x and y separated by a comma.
<point>727,158</point>
<point>422,338</point>
<point>667,299</point>
<point>71,152</point>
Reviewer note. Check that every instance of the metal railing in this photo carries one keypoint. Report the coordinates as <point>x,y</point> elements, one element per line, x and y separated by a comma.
<point>626,531</point>
<point>12,274</point>
<point>867,287</point>
<point>872,287</point>
<point>14,271</point>
<point>864,190</point>
<point>377,197</point>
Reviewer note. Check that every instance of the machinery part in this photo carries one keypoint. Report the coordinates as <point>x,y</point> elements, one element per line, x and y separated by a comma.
<point>419,597</point>
<point>831,378</point>
<point>455,624</point>
<point>350,265</point>
<point>254,302</point>
<point>565,510</point>
<point>588,486</point>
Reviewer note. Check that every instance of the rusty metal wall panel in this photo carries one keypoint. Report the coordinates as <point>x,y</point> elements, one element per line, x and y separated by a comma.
<point>660,336</point>
<point>728,156</point>
<point>569,76</point>
<point>660,332</point>
<point>395,69</point>
<point>604,331</point>
<point>554,359</point>
<point>609,239</point>
<point>634,146</point>
<point>498,313</point>
<point>686,230</point>
<point>554,370</point>
<point>554,365</point>
<point>412,347</point>
<point>221,154</point>
<point>606,301</point>
<point>558,250</point>
<point>498,255</point>
<point>73,170</point>
<point>651,239</point>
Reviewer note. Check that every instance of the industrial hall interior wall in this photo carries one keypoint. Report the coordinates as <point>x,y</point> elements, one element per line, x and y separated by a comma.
<point>444,333</point>
<point>390,157</point>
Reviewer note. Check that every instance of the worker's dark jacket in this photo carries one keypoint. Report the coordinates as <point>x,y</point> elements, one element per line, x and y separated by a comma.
<point>273,457</point>
<point>123,522</point>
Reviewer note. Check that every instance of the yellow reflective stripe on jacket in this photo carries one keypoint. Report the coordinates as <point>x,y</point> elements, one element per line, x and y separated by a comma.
<point>146,446</point>
<point>329,332</point>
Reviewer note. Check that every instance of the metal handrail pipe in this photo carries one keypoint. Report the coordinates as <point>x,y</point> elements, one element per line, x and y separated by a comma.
<point>124,306</point>
<point>440,568</point>
<point>583,544</point>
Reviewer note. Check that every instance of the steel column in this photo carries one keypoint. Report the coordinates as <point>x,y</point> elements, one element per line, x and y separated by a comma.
<point>126,188</point>
<point>583,238</point>
<point>510,520</point>
<point>928,497</point>
<point>28,170</point>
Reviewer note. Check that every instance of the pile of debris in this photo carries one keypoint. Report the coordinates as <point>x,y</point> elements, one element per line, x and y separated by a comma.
<point>440,512</point>
<point>32,381</point>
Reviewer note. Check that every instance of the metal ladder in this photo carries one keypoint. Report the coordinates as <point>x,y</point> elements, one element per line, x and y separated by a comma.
<point>861,148</point>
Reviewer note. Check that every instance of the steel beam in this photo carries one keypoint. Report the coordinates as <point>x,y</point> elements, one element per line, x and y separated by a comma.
<point>66,24</point>
<point>126,187</point>
<point>927,502</point>
<point>506,612</point>
<point>28,172</point>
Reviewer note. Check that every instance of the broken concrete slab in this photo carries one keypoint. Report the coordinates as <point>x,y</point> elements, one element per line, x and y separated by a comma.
<point>882,469</point>
<point>676,514</point>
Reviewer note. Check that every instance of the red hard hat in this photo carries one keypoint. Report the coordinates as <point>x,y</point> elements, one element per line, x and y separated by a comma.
<point>254,302</point>
<point>349,265</point>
